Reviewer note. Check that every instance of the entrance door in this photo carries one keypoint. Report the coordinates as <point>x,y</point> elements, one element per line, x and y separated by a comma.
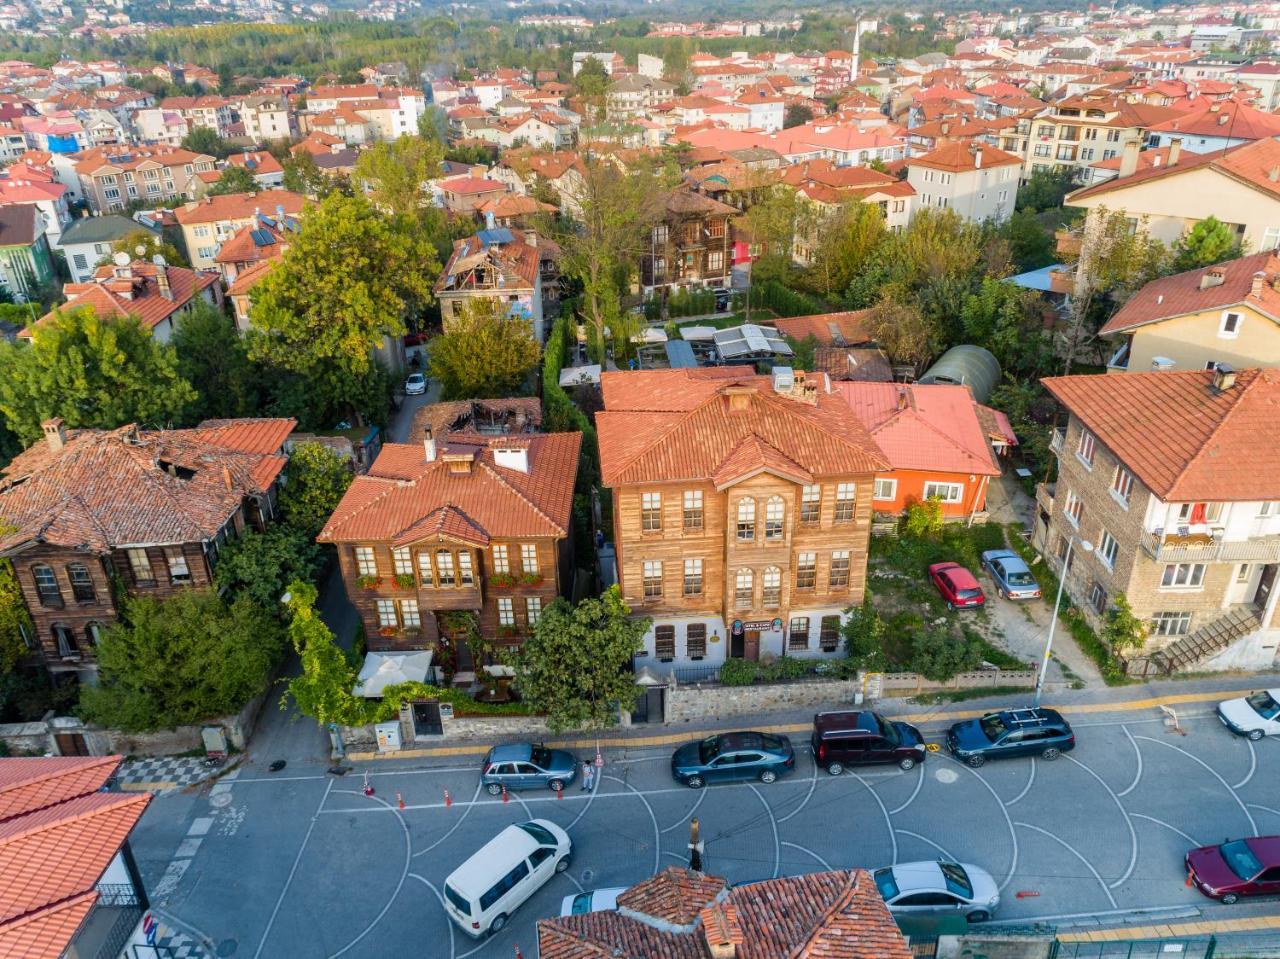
<point>426,719</point>
<point>1265,582</point>
<point>737,644</point>
<point>752,645</point>
<point>71,744</point>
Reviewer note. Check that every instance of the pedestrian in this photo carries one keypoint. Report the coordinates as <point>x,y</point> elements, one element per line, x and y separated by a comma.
<point>588,775</point>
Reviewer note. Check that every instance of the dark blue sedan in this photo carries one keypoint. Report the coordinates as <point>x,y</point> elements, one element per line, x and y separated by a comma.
<point>1011,732</point>
<point>1013,576</point>
<point>733,756</point>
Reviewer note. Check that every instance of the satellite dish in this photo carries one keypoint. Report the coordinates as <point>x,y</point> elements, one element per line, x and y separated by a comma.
<point>140,249</point>
<point>121,259</point>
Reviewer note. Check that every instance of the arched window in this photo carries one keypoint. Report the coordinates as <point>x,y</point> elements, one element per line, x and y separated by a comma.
<point>746,519</point>
<point>772,586</point>
<point>744,589</point>
<point>444,567</point>
<point>68,648</point>
<point>81,584</point>
<point>773,513</point>
<point>47,585</point>
<point>94,632</point>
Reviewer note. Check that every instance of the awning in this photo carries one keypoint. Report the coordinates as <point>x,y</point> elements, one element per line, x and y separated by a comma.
<point>381,670</point>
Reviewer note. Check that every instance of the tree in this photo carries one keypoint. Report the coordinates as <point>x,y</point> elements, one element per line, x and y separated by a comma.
<point>1124,631</point>
<point>901,330</point>
<point>1030,245</point>
<point>314,483</point>
<point>151,245</point>
<point>212,357</point>
<point>1208,242</point>
<point>797,114</point>
<point>591,82</point>
<point>261,565</point>
<point>864,633</point>
<point>92,372</point>
<point>1046,189</point>
<point>575,666</point>
<point>396,174</point>
<point>324,689</point>
<point>344,285</point>
<point>301,175</point>
<point>14,619</point>
<point>234,179</point>
<point>483,353</point>
<point>181,660</point>
<point>847,239</point>
<point>1008,321</point>
<point>207,141</point>
<point>772,222</point>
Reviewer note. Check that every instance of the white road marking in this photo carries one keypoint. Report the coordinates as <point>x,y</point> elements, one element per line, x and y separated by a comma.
<point>1013,835</point>
<point>773,823</point>
<point>1031,781</point>
<point>1151,913</point>
<point>200,826</point>
<point>1169,826</point>
<point>1133,833</point>
<point>893,840</point>
<point>271,920</point>
<point>1253,765</point>
<point>1137,778</point>
<point>168,883</point>
<point>928,841</point>
<point>454,827</point>
<point>813,784</point>
<point>408,847</point>
<point>657,836</point>
<point>1214,773</point>
<point>439,898</point>
<point>915,792</point>
<point>946,776</point>
<point>820,860</point>
<point>702,794</point>
<point>1075,852</point>
<point>188,847</point>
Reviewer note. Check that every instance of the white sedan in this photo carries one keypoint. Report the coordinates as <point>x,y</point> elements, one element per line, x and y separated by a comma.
<point>415,384</point>
<point>1255,716</point>
<point>598,900</point>
<point>939,887</point>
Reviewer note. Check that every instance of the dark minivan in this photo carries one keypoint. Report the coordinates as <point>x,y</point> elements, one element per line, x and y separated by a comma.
<point>863,738</point>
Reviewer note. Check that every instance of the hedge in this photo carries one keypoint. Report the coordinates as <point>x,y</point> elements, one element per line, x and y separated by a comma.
<point>787,302</point>
<point>559,412</point>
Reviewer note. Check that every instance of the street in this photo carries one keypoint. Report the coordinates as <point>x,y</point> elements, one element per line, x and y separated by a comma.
<point>301,863</point>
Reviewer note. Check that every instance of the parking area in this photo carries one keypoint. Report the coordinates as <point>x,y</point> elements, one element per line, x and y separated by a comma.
<point>306,865</point>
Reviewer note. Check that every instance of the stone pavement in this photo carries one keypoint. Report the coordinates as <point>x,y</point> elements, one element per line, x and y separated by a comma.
<point>163,773</point>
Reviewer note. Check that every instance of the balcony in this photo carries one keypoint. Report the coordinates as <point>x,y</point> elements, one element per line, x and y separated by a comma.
<point>1044,496</point>
<point>1062,281</point>
<point>109,925</point>
<point>451,597</point>
<point>1210,548</point>
<point>1069,243</point>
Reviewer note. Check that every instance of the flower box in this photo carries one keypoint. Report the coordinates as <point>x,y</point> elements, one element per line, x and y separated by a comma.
<point>531,579</point>
<point>368,582</point>
<point>502,580</point>
<point>405,581</point>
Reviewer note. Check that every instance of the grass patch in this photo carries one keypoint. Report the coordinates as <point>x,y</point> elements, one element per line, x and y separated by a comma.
<point>960,695</point>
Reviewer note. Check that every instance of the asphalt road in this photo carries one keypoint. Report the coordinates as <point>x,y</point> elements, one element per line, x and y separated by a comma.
<point>300,863</point>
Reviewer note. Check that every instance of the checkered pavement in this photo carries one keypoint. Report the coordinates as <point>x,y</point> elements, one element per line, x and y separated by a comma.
<point>163,773</point>
<point>172,943</point>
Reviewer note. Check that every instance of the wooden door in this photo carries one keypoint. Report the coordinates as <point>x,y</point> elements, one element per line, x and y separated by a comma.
<point>71,744</point>
<point>1265,583</point>
<point>751,645</point>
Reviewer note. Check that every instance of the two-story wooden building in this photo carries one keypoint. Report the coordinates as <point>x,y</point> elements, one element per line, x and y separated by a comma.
<point>87,511</point>
<point>464,523</point>
<point>691,246</point>
<point>742,511</point>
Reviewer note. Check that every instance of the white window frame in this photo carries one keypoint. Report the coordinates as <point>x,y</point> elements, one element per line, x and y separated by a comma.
<point>1073,508</point>
<point>501,559</point>
<point>807,563</point>
<point>1191,581</point>
<point>693,583</point>
<point>533,609</point>
<point>366,561</point>
<point>945,492</point>
<point>693,509</point>
<point>1086,448</point>
<point>466,571</point>
<point>1230,334</point>
<point>426,572</point>
<point>529,559</point>
<point>506,611</point>
<point>1108,550</point>
<point>176,560</point>
<point>745,529</point>
<point>402,560</point>
<point>410,615</point>
<point>386,609</point>
<point>744,587</point>
<point>885,490</point>
<point>446,569</point>
<point>1171,623</point>
<point>651,512</point>
<point>846,502</point>
<point>775,512</point>
<point>651,578</point>
<point>811,499</point>
<point>1122,486</point>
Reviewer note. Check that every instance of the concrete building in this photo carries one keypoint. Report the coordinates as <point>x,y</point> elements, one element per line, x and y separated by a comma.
<point>979,182</point>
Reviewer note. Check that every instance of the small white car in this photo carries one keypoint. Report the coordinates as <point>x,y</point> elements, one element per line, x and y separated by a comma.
<point>415,384</point>
<point>1255,716</point>
<point>597,900</point>
<point>939,888</point>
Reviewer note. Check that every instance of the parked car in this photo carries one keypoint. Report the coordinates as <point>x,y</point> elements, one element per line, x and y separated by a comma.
<point>1013,576</point>
<point>957,586</point>
<point>525,766</point>
<point>861,738</point>
<point>1011,732</point>
<point>481,894</point>
<point>1236,868</point>
<point>597,900</point>
<point>1255,716</point>
<point>729,756</point>
<point>916,888</point>
<point>415,384</point>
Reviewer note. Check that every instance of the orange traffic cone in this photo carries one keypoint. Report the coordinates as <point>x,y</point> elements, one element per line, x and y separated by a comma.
<point>399,800</point>
<point>559,791</point>
<point>505,798</point>
<point>448,800</point>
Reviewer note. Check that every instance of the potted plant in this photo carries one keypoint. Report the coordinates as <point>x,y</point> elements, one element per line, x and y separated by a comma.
<point>368,582</point>
<point>387,632</point>
<point>530,579</point>
<point>405,581</point>
<point>502,580</point>
<point>507,632</point>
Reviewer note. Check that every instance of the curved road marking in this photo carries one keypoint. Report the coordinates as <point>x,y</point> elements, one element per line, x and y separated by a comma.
<point>1168,826</point>
<point>657,836</point>
<point>893,839</point>
<point>813,784</point>
<point>1253,765</point>
<point>702,794</point>
<point>408,846</point>
<point>1072,849</point>
<point>821,861</point>
<point>915,792</point>
<point>289,879</point>
<point>591,795</point>
<point>1031,781</point>
<point>1137,776</point>
<point>447,921</point>
<point>466,812</point>
<point>1274,812</point>
<point>927,841</point>
<point>1212,772</point>
<point>1013,836</point>
<point>773,822</point>
<point>1133,833</point>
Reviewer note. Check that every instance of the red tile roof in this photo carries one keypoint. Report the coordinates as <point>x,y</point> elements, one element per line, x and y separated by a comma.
<point>666,425</point>
<point>239,206</point>
<point>468,185</point>
<point>404,497</point>
<point>1250,163</point>
<point>261,436</point>
<point>46,933</point>
<point>1222,118</point>
<point>958,157</point>
<point>829,329</point>
<point>138,296</point>
<point>675,895</point>
<point>30,784</point>
<point>1185,440</point>
<point>923,427</point>
<point>1181,293</point>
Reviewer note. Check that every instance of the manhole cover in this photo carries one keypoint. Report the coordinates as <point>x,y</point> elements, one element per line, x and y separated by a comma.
<point>227,947</point>
<point>587,876</point>
<point>220,800</point>
<point>945,775</point>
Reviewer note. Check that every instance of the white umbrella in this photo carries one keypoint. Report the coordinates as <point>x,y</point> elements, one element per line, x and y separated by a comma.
<point>381,670</point>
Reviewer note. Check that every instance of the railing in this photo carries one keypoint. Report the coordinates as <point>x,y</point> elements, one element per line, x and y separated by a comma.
<point>696,674</point>
<point>1056,440</point>
<point>1171,548</point>
<point>1044,496</point>
<point>1069,242</point>
<point>105,932</point>
<point>117,894</point>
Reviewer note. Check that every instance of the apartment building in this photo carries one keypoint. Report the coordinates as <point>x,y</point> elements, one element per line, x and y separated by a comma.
<point>691,246</point>
<point>208,112</point>
<point>459,524</point>
<point>741,511</point>
<point>112,177</point>
<point>979,182</point>
<point>1171,478</point>
<point>1076,131</point>
<point>632,95</point>
<point>212,220</point>
<point>145,512</point>
<point>267,117</point>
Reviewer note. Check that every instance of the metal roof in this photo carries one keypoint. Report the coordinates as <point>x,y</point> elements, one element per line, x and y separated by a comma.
<point>750,340</point>
<point>966,365</point>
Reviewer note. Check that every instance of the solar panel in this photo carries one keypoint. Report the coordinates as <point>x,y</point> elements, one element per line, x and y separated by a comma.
<point>262,238</point>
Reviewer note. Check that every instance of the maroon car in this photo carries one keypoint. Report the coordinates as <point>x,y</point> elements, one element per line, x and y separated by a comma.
<point>1236,868</point>
<point>957,586</point>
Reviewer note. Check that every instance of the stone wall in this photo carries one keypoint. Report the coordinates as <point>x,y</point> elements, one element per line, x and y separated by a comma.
<point>460,729</point>
<point>690,703</point>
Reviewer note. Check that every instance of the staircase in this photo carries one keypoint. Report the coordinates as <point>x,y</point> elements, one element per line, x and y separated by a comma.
<point>1213,637</point>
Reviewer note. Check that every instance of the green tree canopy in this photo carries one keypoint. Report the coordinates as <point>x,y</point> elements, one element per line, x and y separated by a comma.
<point>574,668</point>
<point>483,353</point>
<point>213,358</point>
<point>261,565</point>
<point>901,330</point>
<point>396,174</point>
<point>1030,245</point>
<point>207,141</point>
<point>151,244</point>
<point>1046,189</point>
<point>181,660</point>
<point>301,175</point>
<point>1208,242</point>
<point>92,372</point>
<point>323,691</point>
<point>14,618</point>
<point>314,483</point>
<point>797,114</point>
<point>846,241</point>
<point>234,179</point>
<point>1008,321</point>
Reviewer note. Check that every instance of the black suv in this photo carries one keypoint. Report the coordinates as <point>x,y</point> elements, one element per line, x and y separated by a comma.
<point>862,738</point>
<point>1011,732</point>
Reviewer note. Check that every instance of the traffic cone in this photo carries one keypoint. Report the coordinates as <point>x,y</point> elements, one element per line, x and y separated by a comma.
<point>559,791</point>
<point>368,788</point>
<point>448,800</point>
<point>399,800</point>
<point>505,797</point>
<point>518,953</point>
<point>1188,880</point>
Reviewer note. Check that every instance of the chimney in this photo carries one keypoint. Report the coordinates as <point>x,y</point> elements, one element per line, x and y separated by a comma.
<point>226,478</point>
<point>946,128</point>
<point>429,445</point>
<point>1214,276</point>
<point>1175,150</point>
<point>1129,158</point>
<point>531,237</point>
<point>902,397</point>
<point>1273,174</point>
<point>1255,284</point>
<point>489,221</point>
<point>512,458</point>
<point>1224,119</point>
<point>162,277</point>
<point>1224,377</point>
<point>977,158</point>
<point>55,434</point>
<point>721,930</point>
<point>739,398</point>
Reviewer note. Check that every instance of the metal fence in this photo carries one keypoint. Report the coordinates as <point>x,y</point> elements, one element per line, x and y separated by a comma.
<point>696,674</point>
<point>1195,948</point>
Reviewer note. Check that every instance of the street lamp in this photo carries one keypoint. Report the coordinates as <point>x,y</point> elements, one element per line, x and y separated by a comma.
<point>1057,603</point>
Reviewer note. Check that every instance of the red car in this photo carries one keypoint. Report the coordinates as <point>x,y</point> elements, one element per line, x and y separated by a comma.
<point>957,586</point>
<point>1239,867</point>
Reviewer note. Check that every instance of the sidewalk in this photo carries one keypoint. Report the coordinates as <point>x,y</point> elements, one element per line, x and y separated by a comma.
<point>1145,697</point>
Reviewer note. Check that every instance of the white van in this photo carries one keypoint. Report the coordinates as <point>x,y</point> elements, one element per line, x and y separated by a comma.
<point>481,894</point>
